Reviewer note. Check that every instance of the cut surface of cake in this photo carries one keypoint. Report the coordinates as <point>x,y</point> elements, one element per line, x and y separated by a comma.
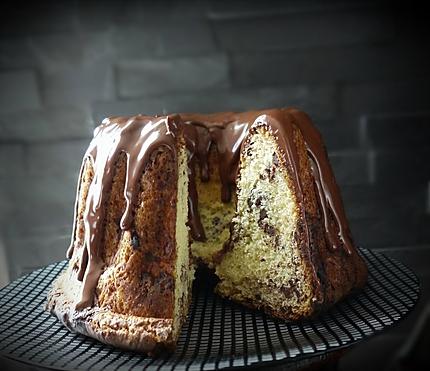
<point>250,195</point>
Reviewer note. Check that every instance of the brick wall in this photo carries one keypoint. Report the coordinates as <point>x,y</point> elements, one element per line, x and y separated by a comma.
<point>360,70</point>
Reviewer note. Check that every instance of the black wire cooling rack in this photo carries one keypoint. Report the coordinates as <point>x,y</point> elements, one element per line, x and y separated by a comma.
<point>217,334</point>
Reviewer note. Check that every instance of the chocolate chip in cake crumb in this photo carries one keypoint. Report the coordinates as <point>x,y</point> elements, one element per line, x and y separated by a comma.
<point>265,226</point>
<point>263,214</point>
<point>263,221</point>
<point>258,201</point>
<point>269,229</point>
<point>287,291</point>
<point>135,241</point>
<point>293,284</point>
<point>269,173</point>
<point>75,266</point>
<point>215,220</point>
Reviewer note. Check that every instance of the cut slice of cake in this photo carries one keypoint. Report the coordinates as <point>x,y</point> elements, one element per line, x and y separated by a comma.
<point>290,251</point>
<point>128,282</point>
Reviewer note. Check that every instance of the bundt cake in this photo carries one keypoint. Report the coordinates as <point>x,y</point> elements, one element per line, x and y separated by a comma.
<point>257,195</point>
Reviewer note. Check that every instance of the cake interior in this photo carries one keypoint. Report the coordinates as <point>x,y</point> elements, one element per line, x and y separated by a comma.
<point>184,269</point>
<point>265,266</point>
<point>215,215</point>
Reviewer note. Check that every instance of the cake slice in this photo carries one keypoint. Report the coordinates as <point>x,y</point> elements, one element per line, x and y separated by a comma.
<point>128,281</point>
<point>290,251</point>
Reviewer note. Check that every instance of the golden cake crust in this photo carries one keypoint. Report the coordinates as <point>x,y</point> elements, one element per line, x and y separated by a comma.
<point>142,334</point>
<point>134,298</point>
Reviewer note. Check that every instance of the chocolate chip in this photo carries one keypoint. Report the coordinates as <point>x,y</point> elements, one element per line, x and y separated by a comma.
<point>215,220</point>
<point>266,227</point>
<point>287,291</point>
<point>135,241</point>
<point>269,229</point>
<point>263,214</point>
<point>271,173</point>
<point>258,201</point>
<point>293,285</point>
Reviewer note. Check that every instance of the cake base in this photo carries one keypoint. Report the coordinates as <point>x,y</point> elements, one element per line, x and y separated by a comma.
<point>128,332</point>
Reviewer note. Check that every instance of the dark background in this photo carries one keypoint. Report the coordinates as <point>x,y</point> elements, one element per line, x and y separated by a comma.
<point>360,69</point>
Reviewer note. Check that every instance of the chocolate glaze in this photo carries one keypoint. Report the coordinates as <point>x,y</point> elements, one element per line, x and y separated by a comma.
<point>227,132</point>
<point>194,222</point>
<point>338,234</point>
<point>139,136</point>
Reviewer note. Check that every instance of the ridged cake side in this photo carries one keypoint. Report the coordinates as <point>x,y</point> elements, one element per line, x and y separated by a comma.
<point>142,295</point>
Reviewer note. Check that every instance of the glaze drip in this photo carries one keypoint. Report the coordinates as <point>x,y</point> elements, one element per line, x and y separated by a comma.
<point>227,133</point>
<point>338,234</point>
<point>194,222</point>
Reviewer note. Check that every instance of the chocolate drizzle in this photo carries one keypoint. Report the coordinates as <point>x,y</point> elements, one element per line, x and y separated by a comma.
<point>283,121</point>
<point>227,132</point>
<point>194,222</point>
<point>338,233</point>
<point>139,136</point>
